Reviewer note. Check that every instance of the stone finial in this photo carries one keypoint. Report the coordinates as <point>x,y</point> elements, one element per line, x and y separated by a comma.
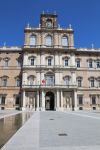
<point>43,12</point>
<point>28,25</point>
<point>92,46</point>
<point>4,44</point>
<point>70,26</point>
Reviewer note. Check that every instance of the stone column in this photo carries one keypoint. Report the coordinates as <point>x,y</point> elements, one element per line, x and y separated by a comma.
<point>37,101</point>
<point>43,101</point>
<point>75,100</point>
<point>57,100</point>
<point>62,100</point>
<point>56,59</point>
<point>57,78</point>
<point>23,99</point>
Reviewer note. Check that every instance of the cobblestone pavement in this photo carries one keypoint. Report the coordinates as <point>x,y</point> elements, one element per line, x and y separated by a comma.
<point>58,131</point>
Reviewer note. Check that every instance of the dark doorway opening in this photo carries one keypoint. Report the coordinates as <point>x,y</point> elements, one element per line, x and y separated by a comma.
<point>49,101</point>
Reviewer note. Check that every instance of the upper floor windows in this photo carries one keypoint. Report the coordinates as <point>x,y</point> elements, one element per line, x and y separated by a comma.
<point>92,82</point>
<point>67,80</point>
<point>90,63</point>
<point>66,62</point>
<point>4,81</point>
<point>98,63</point>
<point>64,41</point>
<point>48,40</point>
<point>32,40</point>
<point>49,61</point>
<point>49,23</point>
<point>6,60</point>
<point>31,80</point>
<point>79,81</point>
<point>78,63</point>
<point>18,82</point>
<point>32,60</point>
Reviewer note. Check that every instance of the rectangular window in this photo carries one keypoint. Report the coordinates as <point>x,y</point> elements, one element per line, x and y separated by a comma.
<point>98,64</point>
<point>93,100</point>
<point>4,82</point>
<point>90,64</point>
<point>92,83</point>
<point>78,63</point>
<point>80,98</point>
<point>32,62</point>
<point>49,62</point>
<point>50,80</point>
<point>2,100</point>
<point>17,82</point>
<point>79,83</point>
<point>6,63</point>
<point>17,102</point>
<point>66,62</point>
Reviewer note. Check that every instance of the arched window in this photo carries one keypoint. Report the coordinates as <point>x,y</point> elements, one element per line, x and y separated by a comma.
<point>64,41</point>
<point>32,40</point>
<point>49,40</point>
<point>31,80</point>
<point>49,23</point>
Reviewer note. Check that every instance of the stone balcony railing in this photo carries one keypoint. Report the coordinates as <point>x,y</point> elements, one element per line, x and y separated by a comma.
<point>53,86</point>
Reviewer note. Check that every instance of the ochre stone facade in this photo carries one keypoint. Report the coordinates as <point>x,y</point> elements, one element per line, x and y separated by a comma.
<point>48,72</point>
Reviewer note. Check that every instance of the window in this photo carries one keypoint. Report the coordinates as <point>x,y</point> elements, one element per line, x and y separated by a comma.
<point>32,61</point>
<point>49,40</point>
<point>32,40</point>
<point>66,62</point>
<point>6,60</point>
<point>49,80</point>
<point>80,98</point>
<point>92,82</point>
<point>78,63</point>
<point>31,80</point>
<point>49,61</point>
<point>17,102</point>
<point>93,100</point>
<point>4,82</point>
<point>67,80</point>
<point>90,64</point>
<point>64,41</point>
<point>98,80</point>
<point>2,100</point>
<point>49,23</point>
<point>18,82</point>
<point>98,63</point>
<point>18,62</point>
<point>79,81</point>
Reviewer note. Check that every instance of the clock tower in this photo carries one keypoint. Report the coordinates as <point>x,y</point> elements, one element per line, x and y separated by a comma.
<point>48,21</point>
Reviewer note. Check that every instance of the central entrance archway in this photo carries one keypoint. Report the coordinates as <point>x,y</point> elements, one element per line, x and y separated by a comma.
<point>49,101</point>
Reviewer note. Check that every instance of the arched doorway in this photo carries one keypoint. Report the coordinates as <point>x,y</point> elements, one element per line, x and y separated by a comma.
<point>49,101</point>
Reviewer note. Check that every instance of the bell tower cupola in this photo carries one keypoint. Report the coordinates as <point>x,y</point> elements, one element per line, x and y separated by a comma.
<point>48,20</point>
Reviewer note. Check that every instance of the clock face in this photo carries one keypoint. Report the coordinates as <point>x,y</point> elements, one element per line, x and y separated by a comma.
<point>49,24</point>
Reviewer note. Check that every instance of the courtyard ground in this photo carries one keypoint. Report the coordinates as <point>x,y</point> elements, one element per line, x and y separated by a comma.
<point>53,130</point>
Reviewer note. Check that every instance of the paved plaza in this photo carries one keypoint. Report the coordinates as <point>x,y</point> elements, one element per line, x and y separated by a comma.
<point>52,130</point>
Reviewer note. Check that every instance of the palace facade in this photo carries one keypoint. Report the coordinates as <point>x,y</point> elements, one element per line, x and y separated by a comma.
<point>48,72</point>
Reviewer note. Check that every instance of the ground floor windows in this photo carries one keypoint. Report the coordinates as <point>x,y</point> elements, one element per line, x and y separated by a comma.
<point>2,100</point>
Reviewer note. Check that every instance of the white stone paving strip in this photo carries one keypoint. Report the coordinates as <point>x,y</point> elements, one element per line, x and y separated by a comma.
<point>27,137</point>
<point>84,115</point>
<point>8,115</point>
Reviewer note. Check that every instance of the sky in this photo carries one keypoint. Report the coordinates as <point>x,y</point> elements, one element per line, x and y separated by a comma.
<point>83,15</point>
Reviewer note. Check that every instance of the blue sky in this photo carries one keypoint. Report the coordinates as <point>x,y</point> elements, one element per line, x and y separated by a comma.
<point>84,15</point>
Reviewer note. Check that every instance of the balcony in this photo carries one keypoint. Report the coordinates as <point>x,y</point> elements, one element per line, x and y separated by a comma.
<point>53,86</point>
<point>48,67</point>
